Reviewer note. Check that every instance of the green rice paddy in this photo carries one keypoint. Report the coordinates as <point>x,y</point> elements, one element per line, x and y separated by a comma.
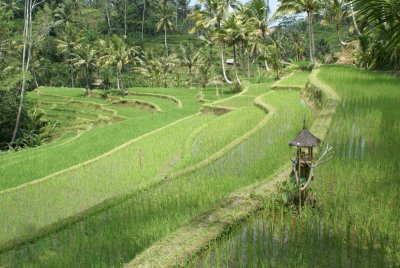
<point>110,186</point>
<point>355,221</point>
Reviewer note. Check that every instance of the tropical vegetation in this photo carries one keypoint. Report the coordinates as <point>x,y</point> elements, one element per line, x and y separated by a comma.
<point>139,133</point>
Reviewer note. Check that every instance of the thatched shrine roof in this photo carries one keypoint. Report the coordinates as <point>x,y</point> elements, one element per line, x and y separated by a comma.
<point>305,139</point>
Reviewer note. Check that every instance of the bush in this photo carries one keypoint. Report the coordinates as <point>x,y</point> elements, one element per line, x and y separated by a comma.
<point>305,66</point>
<point>8,112</point>
<point>33,128</point>
<point>236,87</point>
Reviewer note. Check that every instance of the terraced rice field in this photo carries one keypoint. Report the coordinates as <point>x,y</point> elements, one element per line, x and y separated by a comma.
<point>145,178</point>
<point>355,221</point>
<point>295,80</point>
<point>122,190</point>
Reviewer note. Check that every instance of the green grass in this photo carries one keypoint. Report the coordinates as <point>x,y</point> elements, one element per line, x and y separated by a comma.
<point>129,169</point>
<point>65,92</point>
<point>116,235</point>
<point>211,137</point>
<point>294,80</point>
<point>355,222</point>
<point>92,142</point>
<point>239,101</point>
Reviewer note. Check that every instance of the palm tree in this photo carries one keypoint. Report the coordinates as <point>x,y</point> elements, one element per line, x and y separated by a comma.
<point>258,14</point>
<point>28,42</point>
<point>219,37</point>
<point>232,33</point>
<point>66,43</point>
<point>297,44</point>
<point>205,74</point>
<point>86,57</point>
<point>146,6</point>
<point>107,13</point>
<point>383,14</point>
<point>183,9</point>
<point>210,19</point>
<point>274,56</point>
<point>165,23</point>
<point>167,64</point>
<point>256,22</point>
<point>380,31</point>
<point>67,12</point>
<point>335,12</point>
<point>117,53</point>
<point>151,70</point>
<point>188,55</point>
<point>301,6</point>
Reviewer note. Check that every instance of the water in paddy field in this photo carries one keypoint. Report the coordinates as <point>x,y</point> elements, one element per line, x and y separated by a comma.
<point>270,241</point>
<point>341,231</point>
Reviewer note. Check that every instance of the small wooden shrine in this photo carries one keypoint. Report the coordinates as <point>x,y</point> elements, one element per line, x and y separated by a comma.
<point>305,141</point>
<point>303,163</point>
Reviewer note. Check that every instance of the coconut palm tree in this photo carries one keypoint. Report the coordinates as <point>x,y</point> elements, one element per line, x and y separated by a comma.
<point>117,53</point>
<point>383,14</point>
<point>205,74</point>
<point>380,31</point>
<point>335,12</point>
<point>302,6</point>
<point>166,15</point>
<point>188,55</point>
<point>297,44</point>
<point>67,11</point>
<point>257,12</point>
<point>66,43</point>
<point>210,19</point>
<point>167,65</point>
<point>85,56</point>
<point>274,56</point>
<point>232,34</point>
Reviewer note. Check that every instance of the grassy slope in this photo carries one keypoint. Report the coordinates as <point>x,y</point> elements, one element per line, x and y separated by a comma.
<point>295,80</point>
<point>123,231</point>
<point>355,224</point>
<point>16,171</point>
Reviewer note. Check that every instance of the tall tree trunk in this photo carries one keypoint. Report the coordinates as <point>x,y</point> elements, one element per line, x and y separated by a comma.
<point>26,55</point>
<point>234,54</point>
<point>354,20</point>
<point>177,14</point>
<point>310,37</point>
<point>122,83</point>
<point>35,79</point>
<point>342,43</point>
<point>144,12</point>
<point>234,64</point>
<point>266,66</point>
<point>118,86</point>
<point>108,16</point>
<point>248,65</point>
<point>125,24</point>
<point>223,67</point>
<point>165,41</point>
<point>72,74</point>
<point>87,82</point>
